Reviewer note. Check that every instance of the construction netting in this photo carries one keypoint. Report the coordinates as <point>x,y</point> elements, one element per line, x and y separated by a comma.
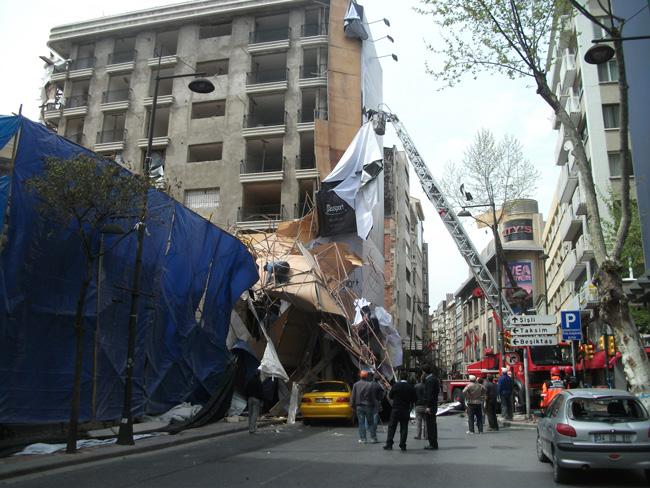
<point>192,275</point>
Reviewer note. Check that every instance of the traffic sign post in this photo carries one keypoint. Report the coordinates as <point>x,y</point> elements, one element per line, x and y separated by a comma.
<point>571,331</point>
<point>534,330</point>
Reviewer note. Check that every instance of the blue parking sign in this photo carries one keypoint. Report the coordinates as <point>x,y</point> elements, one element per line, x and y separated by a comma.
<point>571,325</point>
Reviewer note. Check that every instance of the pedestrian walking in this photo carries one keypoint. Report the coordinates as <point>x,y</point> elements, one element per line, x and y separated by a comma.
<point>363,402</point>
<point>420,407</point>
<point>403,396</point>
<point>254,394</point>
<point>491,396</point>
<point>431,392</point>
<point>504,387</point>
<point>474,394</point>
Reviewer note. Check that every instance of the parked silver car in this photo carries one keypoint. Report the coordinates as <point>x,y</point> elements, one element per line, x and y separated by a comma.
<point>594,428</point>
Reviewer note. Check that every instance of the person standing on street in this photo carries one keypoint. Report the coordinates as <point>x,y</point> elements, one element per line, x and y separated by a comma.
<point>403,396</point>
<point>504,387</point>
<point>491,403</point>
<point>474,395</point>
<point>363,403</point>
<point>420,407</point>
<point>253,391</point>
<point>431,391</point>
<point>378,394</point>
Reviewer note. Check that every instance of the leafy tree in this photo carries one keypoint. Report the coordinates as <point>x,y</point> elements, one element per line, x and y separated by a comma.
<point>511,37</point>
<point>83,194</point>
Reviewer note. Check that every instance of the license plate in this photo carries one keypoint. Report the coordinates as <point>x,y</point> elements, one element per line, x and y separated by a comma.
<point>323,400</point>
<point>613,438</point>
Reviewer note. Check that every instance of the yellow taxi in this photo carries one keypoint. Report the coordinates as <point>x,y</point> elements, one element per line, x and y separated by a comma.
<point>326,400</point>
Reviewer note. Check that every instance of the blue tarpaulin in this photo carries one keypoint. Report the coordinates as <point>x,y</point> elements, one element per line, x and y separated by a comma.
<point>193,272</point>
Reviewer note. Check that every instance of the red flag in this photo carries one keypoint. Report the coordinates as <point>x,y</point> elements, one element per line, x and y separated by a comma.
<point>468,342</point>
<point>497,320</point>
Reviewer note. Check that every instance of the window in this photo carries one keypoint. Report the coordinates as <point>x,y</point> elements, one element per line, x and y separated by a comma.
<point>207,31</point>
<point>212,68</point>
<point>610,116</point>
<point>408,302</point>
<point>204,152</point>
<point>204,110</point>
<point>408,276</point>
<point>608,71</point>
<point>201,199</point>
<point>615,164</point>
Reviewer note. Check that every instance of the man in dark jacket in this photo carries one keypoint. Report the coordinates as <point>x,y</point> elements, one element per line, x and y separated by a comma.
<point>366,395</point>
<point>431,391</point>
<point>504,386</point>
<point>254,394</point>
<point>403,396</point>
<point>491,402</point>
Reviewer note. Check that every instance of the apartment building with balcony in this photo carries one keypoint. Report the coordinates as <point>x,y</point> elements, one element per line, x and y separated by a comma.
<point>406,256</point>
<point>443,318</point>
<point>590,94</point>
<point>288,98</point>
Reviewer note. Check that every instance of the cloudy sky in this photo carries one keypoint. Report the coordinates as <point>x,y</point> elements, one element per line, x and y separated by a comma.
<point>441,123</point>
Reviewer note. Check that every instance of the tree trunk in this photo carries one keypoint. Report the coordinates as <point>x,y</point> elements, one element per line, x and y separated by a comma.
<point>615,311</point>
<point>71,446</point>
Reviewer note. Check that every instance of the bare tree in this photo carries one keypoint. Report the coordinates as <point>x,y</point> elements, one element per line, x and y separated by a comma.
<point>511,37</point>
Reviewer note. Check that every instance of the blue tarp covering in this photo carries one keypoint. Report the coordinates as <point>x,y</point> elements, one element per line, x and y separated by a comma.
<point>188,265</point>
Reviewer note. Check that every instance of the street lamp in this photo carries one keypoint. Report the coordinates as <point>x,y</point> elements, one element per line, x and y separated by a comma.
<point>199,85</point>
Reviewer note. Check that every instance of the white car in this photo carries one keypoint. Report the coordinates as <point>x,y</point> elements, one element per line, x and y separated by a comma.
<point>594,429</point>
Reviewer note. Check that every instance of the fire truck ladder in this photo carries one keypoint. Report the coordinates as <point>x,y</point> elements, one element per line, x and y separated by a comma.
<point>479,269</point>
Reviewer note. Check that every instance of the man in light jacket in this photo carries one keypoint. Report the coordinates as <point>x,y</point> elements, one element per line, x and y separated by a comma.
<point>474,395</point>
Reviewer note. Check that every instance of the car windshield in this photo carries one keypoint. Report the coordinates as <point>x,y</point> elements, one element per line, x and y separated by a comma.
<point>545,355</point>
<point>608,409</point>
<point>327,386</point>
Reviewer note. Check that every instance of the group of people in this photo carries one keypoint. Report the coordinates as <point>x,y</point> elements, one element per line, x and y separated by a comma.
<point>481,397</point>
<point>367,396</point>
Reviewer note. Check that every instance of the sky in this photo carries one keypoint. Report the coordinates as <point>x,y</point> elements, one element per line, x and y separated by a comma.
<point>442,124</point>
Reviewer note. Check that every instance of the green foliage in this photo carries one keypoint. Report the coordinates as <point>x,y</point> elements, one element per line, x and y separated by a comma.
<point>509,37</point>
<point>84,194</point>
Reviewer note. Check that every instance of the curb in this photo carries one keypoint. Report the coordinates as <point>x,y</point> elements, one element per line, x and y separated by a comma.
<point>522,425</point>
<point>120,451</point>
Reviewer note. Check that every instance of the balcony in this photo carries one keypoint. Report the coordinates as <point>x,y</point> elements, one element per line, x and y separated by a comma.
<point>269,39</point>
<point>312,76</point>
<point>578,203</point>
<point>264,124</point>
<point>584,248</point>
<point>76,106</point>
<point>568,69</point>
<point>77,138</point>
<point>111,140</point>
<point>561,148</point>
<point>113,100</point>
<point>77,69</point>
<point>572,267</point>
<point>267,80</point>
<point>260,217</point>
<point>158,142</point>
<point>52,112</point>
<point>165,61</point>
<point>307,117</point>
<point>313,34</point>
<point>253,170</point>
<point>568,184</point>
<point>121,62</point>
<point>306,167</point>
<point>570,226</point>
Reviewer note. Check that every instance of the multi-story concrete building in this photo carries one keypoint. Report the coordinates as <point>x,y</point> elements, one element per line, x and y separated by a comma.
<point>290,87</point>
<point>406,285</point>
<point>442,324</point>
<point>591,97</point>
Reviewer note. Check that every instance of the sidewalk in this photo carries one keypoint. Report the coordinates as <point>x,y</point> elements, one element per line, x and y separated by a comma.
<point>520,421</point>
<point>14,466</point>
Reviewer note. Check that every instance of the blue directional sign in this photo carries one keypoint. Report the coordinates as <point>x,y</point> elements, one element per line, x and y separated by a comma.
<point>571,325</point>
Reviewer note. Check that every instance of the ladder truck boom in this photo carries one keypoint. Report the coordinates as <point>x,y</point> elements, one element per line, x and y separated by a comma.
<point>432,189</point>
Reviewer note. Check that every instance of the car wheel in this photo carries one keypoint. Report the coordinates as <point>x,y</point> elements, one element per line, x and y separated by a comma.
<point>560,474</point>
<point>541,457</point>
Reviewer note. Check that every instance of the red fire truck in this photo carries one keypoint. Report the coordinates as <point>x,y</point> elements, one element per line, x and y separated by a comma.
<point>540,361</point>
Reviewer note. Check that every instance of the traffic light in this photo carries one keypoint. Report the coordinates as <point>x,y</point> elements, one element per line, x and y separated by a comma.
<point>589,351</point>
<point>582,350</point>
<point>507,336</point>
<point>611,346</point>
<point>601,343</point>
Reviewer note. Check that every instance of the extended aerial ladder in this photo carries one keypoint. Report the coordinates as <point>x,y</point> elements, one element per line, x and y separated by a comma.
<point>431,188</point>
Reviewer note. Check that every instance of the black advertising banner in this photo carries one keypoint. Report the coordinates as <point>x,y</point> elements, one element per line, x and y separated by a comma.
<point>334,215</point>
<point>518,230</point>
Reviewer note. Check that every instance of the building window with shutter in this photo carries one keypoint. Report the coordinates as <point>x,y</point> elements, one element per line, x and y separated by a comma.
<point>202,199</point>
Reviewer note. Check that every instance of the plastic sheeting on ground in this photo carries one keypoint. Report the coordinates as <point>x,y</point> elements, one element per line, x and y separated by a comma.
<point>43,448</point>
<point>192,274</point>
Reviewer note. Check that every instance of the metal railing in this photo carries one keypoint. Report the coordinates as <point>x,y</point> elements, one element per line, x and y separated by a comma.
<point>163,51</point>
<point>76,138</point>
<point>76,101</point>
<point>267,75</point>
<point>269,35</point>
<point>249,166</point>
<point>122,56</point>
<point>311,115</point>
<point>115,96</point>
<point>313,71</point>
<point>107,136</point>
<point>306,161</point>
<point>310,30</point>
<point>261,120</point>
<point>81,63</point>
<point>260,212</point>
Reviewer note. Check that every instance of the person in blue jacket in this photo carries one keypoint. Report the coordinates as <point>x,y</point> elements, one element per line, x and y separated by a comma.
<point>504,387</point>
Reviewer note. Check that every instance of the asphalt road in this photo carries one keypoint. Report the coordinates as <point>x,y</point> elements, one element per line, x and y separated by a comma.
<point>328,455</point>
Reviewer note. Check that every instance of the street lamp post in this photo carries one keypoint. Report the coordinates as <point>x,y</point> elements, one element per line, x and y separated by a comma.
<point>125,434</point>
